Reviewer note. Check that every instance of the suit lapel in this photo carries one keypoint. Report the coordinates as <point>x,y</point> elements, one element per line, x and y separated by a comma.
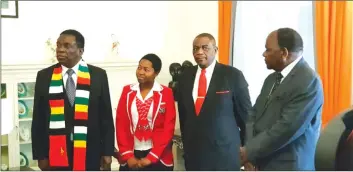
<point>263,104</point>
<point>189,90</point>
<point>211,91</point>
<point>281,88</point>
<point>130,98</point>
<point>157,98</point>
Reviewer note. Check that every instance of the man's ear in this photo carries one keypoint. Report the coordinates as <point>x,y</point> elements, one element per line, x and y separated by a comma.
<point>284,53</point>
<point>81,50</point>
<point>157,73</point>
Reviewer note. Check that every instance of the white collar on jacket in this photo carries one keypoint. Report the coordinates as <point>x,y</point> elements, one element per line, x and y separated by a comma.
<point>156,86</point>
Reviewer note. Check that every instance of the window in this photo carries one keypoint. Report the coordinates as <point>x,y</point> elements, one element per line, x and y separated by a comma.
<point>254,21</point>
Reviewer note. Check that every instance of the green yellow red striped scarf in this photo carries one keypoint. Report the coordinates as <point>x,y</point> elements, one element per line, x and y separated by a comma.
<point>57,133</point>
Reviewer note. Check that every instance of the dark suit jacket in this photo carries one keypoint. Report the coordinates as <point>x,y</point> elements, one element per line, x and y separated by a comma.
<point>283,134</point>
<point>212,140</point>
<point>100,138</point>
<point>344,154</point>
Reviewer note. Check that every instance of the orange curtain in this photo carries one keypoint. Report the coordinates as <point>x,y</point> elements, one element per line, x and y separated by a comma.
<point>333,30</point>
<point>224,29</point>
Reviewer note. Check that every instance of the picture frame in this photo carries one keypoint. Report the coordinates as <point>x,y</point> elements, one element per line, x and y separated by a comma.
<point>3,91</point>
<point>9,9</point>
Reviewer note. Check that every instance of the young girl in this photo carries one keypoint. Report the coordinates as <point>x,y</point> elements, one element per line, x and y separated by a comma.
<point>145,121</point>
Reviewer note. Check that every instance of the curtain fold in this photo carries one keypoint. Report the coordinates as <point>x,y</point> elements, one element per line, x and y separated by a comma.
<point>224,31</point>
<point>333,31</point>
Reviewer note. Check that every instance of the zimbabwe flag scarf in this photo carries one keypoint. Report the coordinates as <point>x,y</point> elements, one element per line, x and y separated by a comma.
<point>57,138</point>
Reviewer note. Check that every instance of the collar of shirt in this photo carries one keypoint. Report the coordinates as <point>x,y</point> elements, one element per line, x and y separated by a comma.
<point>75,68</point>
<point>209,69</point>
<point>209,72</point>
<point>289,68</point>
<point>156,87</point>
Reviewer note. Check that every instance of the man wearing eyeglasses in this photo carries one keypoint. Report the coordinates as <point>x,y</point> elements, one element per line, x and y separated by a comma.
<point>72,126</point>
<point>213,104</point>
<point>284,124</point>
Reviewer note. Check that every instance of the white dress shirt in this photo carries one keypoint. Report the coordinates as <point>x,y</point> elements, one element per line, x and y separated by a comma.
<point>74,75</point>
<point>290,67</point>
<point>146,144</point>
<point>287,70</point>
<point>209,72</point>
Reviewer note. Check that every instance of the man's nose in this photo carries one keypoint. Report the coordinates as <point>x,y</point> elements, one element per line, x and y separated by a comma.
<point>199,51</point>
<point>60,49</point>
<point>141,72</point>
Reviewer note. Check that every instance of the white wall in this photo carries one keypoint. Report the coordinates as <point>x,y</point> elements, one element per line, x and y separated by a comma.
<point>162,27</point>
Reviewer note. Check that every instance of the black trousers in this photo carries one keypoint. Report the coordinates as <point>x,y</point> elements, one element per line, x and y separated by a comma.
<point>153,167</point>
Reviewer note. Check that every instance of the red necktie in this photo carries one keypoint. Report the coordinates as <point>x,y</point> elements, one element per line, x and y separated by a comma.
<point>201,92</point>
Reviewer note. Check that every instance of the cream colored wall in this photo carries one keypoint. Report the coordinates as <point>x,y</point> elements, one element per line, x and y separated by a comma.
<point>166,28</point>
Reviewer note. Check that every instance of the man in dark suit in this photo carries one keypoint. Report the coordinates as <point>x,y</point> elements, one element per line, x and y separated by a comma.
<point>72,127</point>
<point>213,103</point>
<point>284,124</point>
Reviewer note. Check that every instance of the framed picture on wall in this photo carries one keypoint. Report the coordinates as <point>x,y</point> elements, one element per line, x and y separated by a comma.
<point>3,91</point>
<point>9,9</point>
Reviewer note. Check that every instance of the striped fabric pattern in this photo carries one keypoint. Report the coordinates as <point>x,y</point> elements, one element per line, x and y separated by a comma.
<point>81,114</point>
<point>57,118</point>
<point>57,104</point>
